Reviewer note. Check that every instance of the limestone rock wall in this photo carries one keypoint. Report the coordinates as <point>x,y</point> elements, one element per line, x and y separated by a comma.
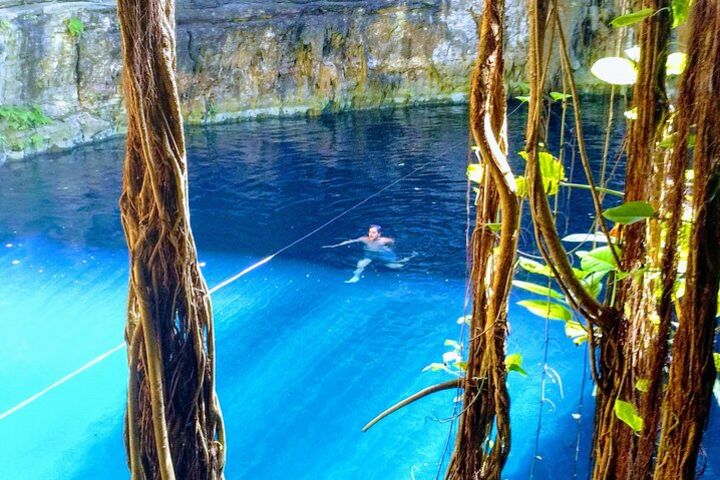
<point>239,59</point>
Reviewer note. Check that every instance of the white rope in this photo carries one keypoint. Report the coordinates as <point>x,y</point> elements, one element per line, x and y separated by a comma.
<point>217,287</point>
<point>64,379</point>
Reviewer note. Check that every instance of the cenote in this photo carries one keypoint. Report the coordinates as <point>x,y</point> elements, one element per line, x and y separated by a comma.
<point>304,360</point>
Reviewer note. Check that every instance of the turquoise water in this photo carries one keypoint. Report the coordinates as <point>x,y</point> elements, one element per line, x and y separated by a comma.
<point>304,360</point>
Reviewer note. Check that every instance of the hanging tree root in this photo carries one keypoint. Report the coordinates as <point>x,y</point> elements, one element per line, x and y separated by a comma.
<point>174,428</point>
<point>486,403</point>
<point>687,400</point>
<point>455,383</point>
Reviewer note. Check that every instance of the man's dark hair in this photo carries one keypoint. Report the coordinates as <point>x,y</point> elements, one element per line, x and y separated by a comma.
<point>376,227</point>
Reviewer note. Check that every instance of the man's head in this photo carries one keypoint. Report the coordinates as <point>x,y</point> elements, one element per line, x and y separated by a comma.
<point>374,232</point>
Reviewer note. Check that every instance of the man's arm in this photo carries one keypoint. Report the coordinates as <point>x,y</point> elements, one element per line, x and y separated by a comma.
<point>346,242</point>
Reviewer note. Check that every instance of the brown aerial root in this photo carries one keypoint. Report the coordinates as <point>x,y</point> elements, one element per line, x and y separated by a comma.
<point>486,403</point>
<point>174,428</point>
<point>687,400</point>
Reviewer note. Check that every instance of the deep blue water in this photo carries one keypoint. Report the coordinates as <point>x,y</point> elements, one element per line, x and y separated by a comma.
<point>304,360</point>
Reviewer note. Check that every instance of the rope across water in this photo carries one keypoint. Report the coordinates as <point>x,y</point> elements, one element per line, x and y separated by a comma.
<point>214,289</point>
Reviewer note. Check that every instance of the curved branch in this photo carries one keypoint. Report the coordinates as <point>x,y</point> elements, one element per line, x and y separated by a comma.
<point>454,383</point>
<point>545,230</point>
<point>584,160</point>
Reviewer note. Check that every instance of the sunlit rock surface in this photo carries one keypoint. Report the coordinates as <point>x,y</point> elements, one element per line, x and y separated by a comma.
<point>240,59</point>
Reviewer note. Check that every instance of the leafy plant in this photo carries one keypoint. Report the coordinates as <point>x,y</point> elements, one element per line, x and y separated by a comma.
<point>36,141</point>
<point>75,27</point>
<point>629,212</point>
<point>513,363</point>
<point>631,18</point>
<point>615,70</point>
<point>627,412</point>
<point>22,118</point>
<point>680,10</point>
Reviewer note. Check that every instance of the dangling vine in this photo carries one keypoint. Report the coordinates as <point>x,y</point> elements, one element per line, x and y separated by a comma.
<point>687,401</point>
<point>174,428</point>
<point>486,404</point>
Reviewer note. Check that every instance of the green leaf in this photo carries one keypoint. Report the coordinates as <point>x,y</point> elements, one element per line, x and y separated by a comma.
<point>642,385</point>
<point>615,71</point>
<point>627,412</point>
<point>453,343</point>
<point>546,309</point>
<point>629,212</point>
<point>558,96</point>
<point>494,227</point>
<point>521,186</point>
<point>551,169</point>
<point>630,18</point>
<point>716,359</point>
<point>513,363</point>
<point>435,367</point>
<point>475,172</point>
<point>534,267</point>
<point>680,10</point>
<point>598,237</point>
<point>593,283</point>
<point>539,289</point>
<point>676,63</point>
<point>633,53</point>
<point>599,260</point>
<point>576,332</point>
<point>75,27</point>
<point>637,273</point>
<point>523,98</point>
<point>461,365</point>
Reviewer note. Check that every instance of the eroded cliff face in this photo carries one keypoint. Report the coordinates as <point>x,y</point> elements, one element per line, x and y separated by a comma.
<point>239,59</point>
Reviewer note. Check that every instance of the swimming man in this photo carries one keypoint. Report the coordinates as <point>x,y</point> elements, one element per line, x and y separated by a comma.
<point>376,247</point>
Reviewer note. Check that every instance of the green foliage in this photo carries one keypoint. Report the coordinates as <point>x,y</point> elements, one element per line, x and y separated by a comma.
<point>452,360</point>
<point>642,385</point>
<point>538,289</point>
<point>551,169</point>
<point>75,27</point>
<point>593,283</point>
<point>627,412</point>
<point>36,141</point>
<point>534,267</point>
<point>547,309</point>
<point>629,212</point>
<point>521,186</point>
<point>523,98</point>
<point>615,70</point>
<point>4,25</point>
<point>597,237</point>
<point>475,172</point>
<point>680,10</point>
<point>22,118</point>
<point>631,18</point>
<point>633,53</point>
<point>599,260</point>
<point>513,363</point>
<point>576,332</point>
<point>676,63</point>
<point>557,96</point>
